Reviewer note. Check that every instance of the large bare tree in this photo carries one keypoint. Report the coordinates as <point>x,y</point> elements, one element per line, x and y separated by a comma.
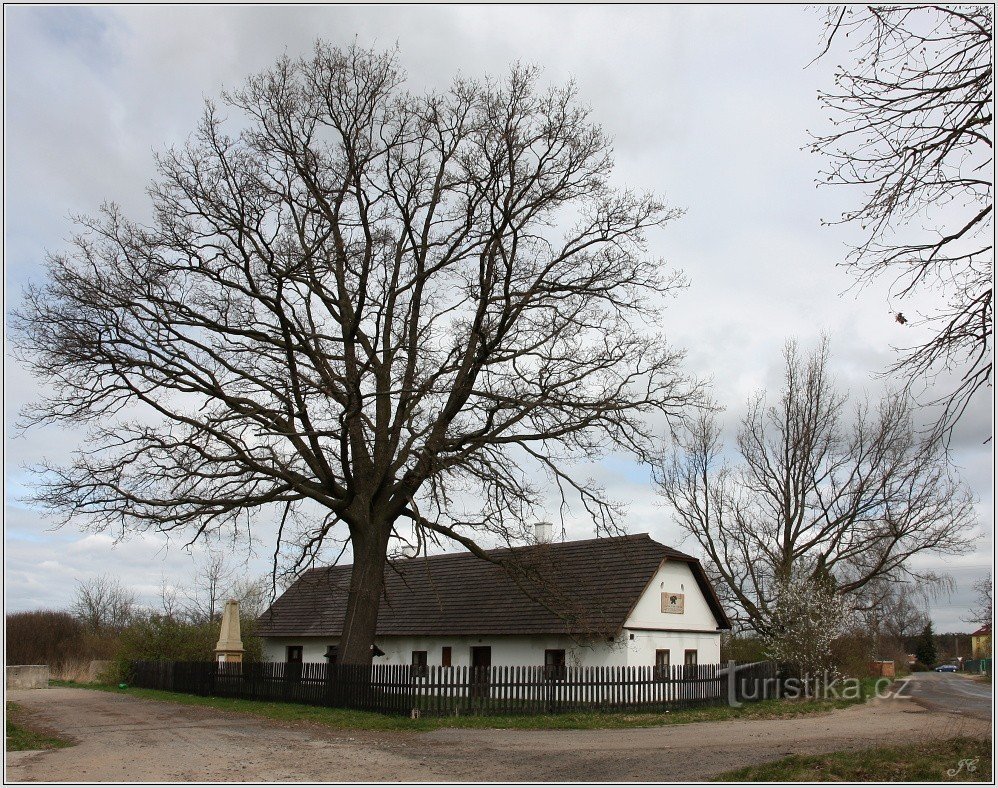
<point>911,114</point>
<point>408,313</point>
<point>820,491</point>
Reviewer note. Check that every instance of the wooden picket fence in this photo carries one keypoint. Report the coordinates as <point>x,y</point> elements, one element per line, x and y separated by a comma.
<point>435,691</point>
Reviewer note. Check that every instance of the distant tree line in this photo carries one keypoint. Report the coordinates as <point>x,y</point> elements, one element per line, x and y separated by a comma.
<point>104,621</point>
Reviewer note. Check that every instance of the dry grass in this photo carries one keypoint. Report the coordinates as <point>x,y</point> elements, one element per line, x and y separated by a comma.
<point>953,760</point>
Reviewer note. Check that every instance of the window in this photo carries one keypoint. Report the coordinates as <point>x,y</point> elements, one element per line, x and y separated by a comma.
<point>445,656</point>
<point>690,661</point>
<point>419,664</point>
<point>295,654</point>
<point>662,663</point>
<point>554,664</point>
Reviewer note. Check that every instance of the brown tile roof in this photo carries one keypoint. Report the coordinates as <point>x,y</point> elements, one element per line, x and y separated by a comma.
<point>584,587</point>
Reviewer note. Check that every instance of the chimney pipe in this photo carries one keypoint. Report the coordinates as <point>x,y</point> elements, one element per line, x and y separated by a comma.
<point>543,533</point>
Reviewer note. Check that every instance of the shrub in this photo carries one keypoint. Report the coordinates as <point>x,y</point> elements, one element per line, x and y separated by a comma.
<point>155,637</point>
<point>45,637</point>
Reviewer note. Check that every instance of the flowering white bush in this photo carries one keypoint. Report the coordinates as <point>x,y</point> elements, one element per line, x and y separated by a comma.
<point>807,617</point>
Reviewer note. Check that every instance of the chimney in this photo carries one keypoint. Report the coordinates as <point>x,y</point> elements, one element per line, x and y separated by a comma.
<point>543,533</point>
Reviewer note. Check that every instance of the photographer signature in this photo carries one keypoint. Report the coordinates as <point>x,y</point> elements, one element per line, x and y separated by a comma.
<point>970,764</point>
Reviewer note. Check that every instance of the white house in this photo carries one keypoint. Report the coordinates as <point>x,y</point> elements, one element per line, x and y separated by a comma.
<point>599,602</point>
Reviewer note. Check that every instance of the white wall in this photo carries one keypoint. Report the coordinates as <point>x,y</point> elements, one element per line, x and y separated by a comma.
<point>648,628</point>
<point>506,649</point>
<point>673,576</point>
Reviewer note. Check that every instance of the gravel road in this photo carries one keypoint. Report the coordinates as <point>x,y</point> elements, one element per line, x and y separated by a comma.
<point>121,738</point>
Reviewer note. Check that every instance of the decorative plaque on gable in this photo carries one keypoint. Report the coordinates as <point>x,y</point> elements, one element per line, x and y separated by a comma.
<point>672,602</point>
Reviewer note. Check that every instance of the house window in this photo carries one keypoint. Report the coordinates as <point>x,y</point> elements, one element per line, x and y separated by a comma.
<point>445,656</point>
<point>690,661</point>
<point>419,664</point>
<point>662,663</point>
<point>554,664</point>
<point>295,654</point>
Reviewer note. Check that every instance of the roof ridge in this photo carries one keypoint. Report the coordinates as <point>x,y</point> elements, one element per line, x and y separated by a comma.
<point>463,553</point>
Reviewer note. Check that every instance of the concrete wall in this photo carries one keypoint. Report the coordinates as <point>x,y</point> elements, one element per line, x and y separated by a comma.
<point>27,677</point>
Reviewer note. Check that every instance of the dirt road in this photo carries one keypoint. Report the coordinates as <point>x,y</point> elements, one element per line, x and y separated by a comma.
<point>121,738</point>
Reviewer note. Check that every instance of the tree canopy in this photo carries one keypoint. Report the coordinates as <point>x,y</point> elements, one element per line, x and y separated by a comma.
<point>377,316</point>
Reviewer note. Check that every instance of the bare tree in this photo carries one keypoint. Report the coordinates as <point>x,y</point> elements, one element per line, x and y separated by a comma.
<point>893,610</point>
<point>169,601</point>
<point>103,603</point>
<point>253,595</point>
<point>202,601</point>
<point>851,497</point>
<point>983,611</point>
<point>405,313</point>
<point>912,115</point>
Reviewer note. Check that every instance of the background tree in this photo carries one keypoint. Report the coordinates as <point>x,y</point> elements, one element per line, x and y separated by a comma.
<point>847,495</point>
<point>370,314</point>
<point>103,604</point>
<point>912,115</point>
<point>925,646</point>
<point>983,611</point>
<point>204,598</point>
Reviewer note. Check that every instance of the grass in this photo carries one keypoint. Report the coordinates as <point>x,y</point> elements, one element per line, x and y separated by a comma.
<point>22,736</point>
<point>935,761</point>
<point>348,719</point>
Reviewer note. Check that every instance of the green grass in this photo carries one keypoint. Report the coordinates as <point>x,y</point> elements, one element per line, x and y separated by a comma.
<point>22,736</point>
<point>347,719</point>
<point>932,761</point>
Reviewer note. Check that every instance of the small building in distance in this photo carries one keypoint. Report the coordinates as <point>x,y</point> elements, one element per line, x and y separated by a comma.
<point>981,642</point>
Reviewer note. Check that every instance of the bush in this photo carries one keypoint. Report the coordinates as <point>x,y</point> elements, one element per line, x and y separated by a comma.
<point>742,648</point>
<point>156,638</point>
<point>56,639</point>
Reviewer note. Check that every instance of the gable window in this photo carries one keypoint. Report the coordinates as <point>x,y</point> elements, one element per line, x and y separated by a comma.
<point>554,664</point>
<point>419,664</point>
<point>445,656</point>
<point>662,662</point>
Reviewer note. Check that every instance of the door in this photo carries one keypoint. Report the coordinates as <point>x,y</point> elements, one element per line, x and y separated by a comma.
<point>292,670</point>
<point>481,667</point>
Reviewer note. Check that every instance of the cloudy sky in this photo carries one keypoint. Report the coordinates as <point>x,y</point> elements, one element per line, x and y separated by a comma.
<point>708,107</point>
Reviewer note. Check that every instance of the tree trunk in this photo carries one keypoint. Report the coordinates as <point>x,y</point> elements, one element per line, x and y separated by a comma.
<point>370,550</point>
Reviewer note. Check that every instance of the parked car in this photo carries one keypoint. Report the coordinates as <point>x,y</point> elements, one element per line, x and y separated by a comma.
<point>947,669</point>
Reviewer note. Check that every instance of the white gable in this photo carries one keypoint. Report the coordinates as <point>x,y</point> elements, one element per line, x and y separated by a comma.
<point>674,579</point>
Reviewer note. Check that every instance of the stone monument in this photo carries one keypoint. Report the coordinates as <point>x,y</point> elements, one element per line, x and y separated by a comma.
<point>230,643</point>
